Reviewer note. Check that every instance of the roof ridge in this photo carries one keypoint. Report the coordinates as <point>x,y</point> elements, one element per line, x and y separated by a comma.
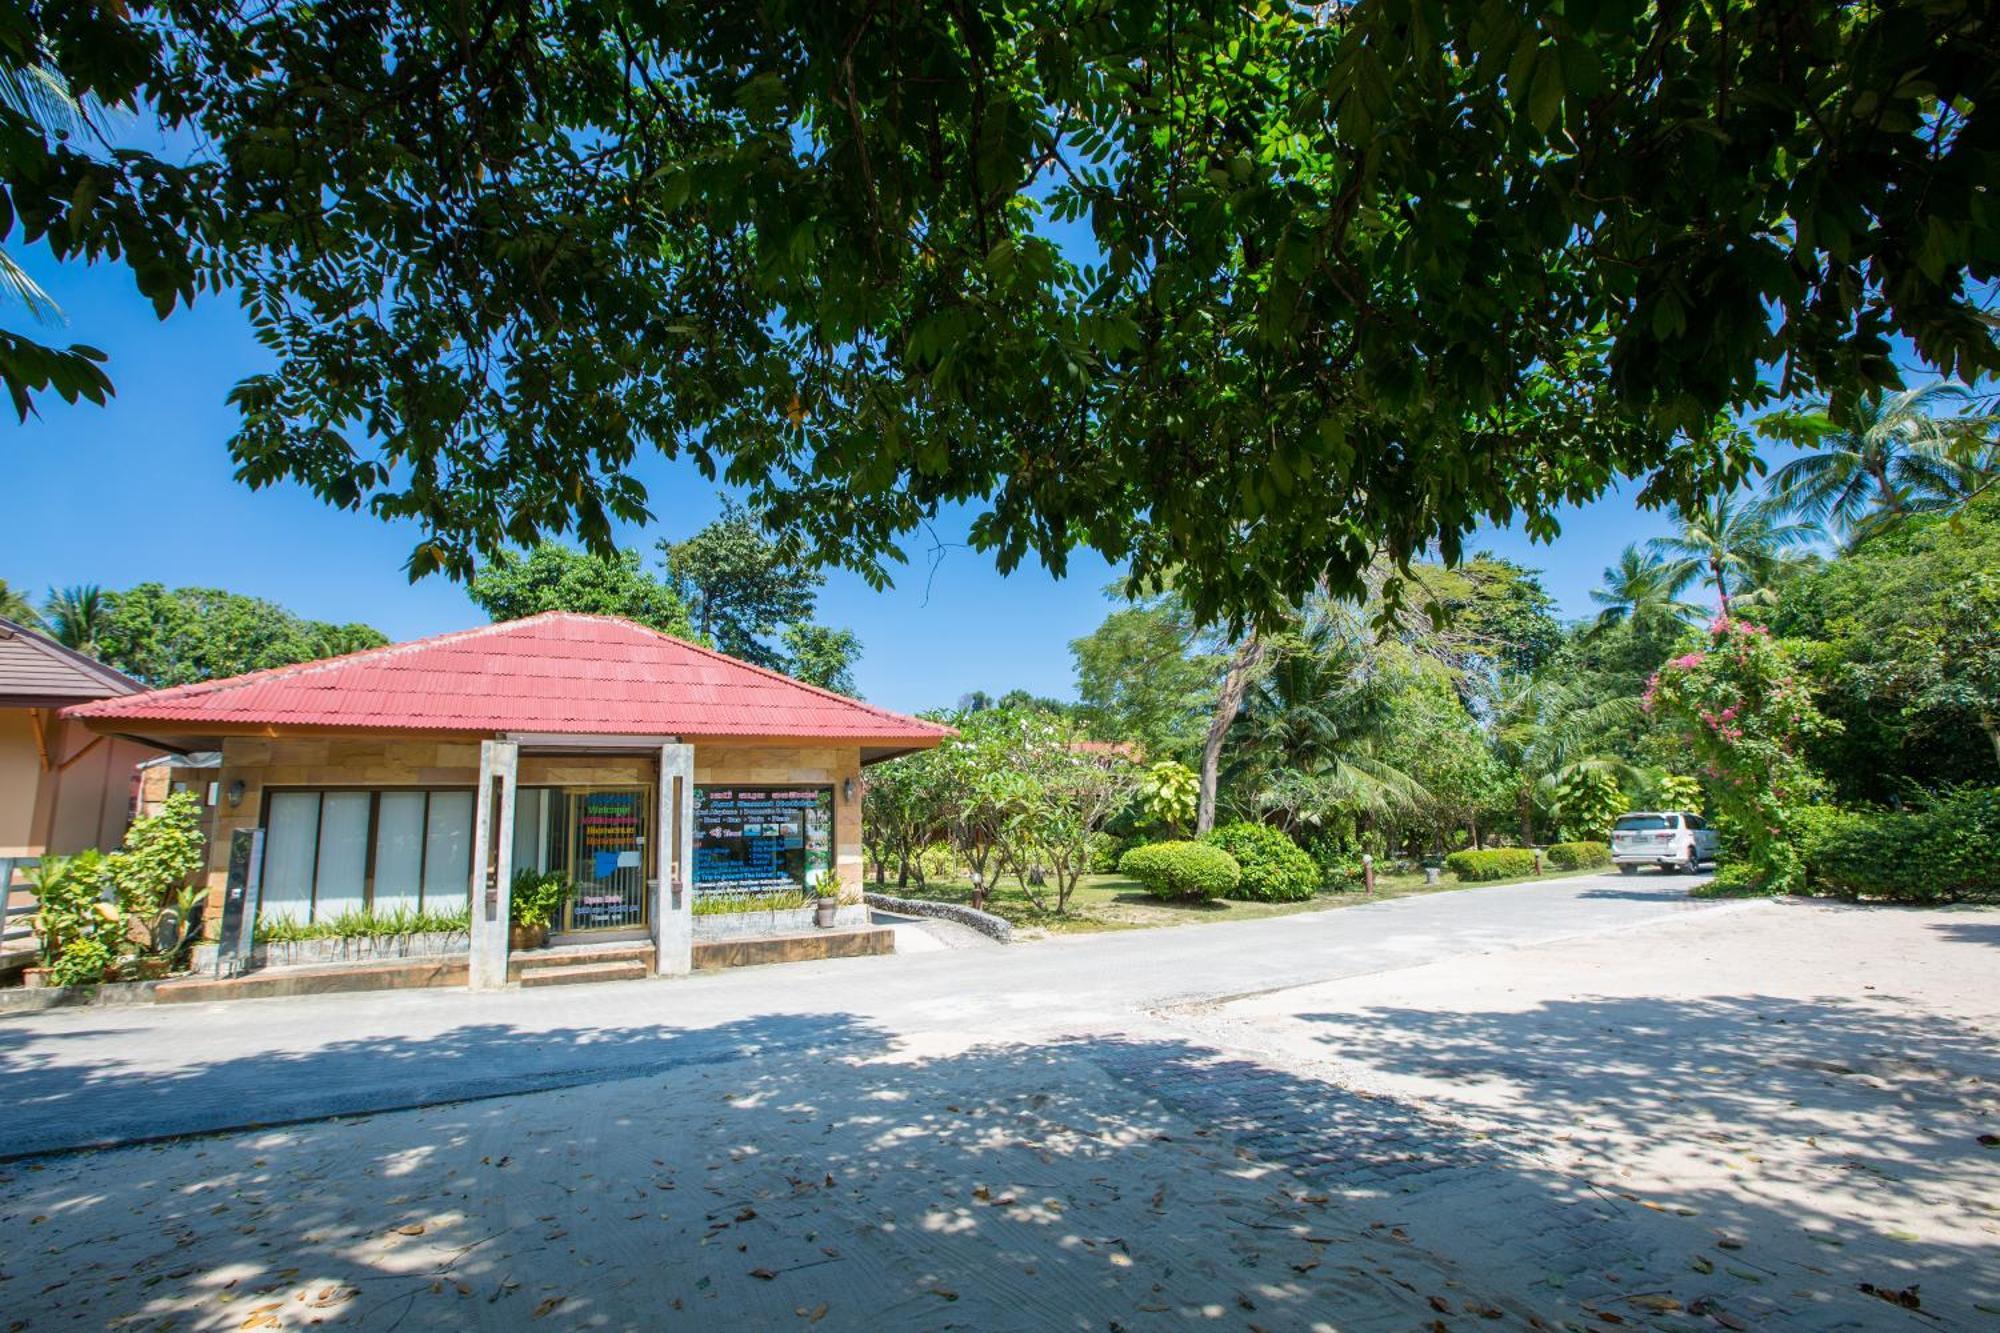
<point>793,681</point>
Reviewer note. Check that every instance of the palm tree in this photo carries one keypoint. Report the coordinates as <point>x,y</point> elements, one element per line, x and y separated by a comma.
<point>1546,729</point>
<point>37,93</point>
<point>1730,544</point>
<point>1639,590</point>
<point>77,616</point>
<point>17,608</point>
<point>1305,739</point>
<point>1874,461</point>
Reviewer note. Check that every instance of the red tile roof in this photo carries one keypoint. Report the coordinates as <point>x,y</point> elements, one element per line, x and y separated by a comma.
<point>556,673</point>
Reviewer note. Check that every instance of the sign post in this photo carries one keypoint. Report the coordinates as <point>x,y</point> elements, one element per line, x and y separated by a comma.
<point>240,897</point>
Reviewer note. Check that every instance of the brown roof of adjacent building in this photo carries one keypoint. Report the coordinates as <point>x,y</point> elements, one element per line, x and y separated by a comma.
<point>38,672</point>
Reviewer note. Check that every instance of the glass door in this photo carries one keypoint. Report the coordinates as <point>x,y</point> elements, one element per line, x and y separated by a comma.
<point>608,858</point>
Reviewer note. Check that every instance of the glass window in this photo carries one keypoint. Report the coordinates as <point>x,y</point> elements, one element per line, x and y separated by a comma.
<point>399,850</point>
<point>761,839</point>
<point>448,852</point>
<point>291,836</point>
<point>328,852</point>
<point>341,882</point>
<point>1696,823</point>
<point>1642,824</point>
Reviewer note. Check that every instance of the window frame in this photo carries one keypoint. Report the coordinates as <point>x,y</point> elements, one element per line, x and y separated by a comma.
<point>375,794</point>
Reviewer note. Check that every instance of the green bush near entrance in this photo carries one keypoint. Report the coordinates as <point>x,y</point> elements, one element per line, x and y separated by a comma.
<point>1275,869</point>
<point>1182,870</point>
<point>1577,855</point>
<point>1492,863</point>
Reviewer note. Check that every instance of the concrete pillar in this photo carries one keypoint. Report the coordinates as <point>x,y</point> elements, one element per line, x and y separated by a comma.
<point>492,863</point>
<point>673,903</point>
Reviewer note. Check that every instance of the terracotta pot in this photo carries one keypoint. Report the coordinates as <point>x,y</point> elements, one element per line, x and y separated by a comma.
<point>527,937</point>
<point>36,978</point>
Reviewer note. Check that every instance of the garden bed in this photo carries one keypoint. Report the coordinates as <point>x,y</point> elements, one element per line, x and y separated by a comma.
<point>1113,902</point>
<point>344,949</point>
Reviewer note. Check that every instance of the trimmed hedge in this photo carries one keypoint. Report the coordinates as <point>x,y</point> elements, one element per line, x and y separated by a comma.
<point>1182,870</point>
<point>1945,852</point>
<point>1493,863</point>
<point>1577,855</point>
<point>1275,869</point>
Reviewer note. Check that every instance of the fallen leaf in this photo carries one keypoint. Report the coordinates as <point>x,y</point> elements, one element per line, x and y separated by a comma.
<point>819,1313</point>
<point>981,1193</point>
<point>549,1305</point>
<point>1440,1304</point>
<point>1989,1140</point>
<point>763,1273</point>
<point>1905,1297</point>
<point>410,1229</point>
<point>1701,1264</point>
<point>1655,1302</point>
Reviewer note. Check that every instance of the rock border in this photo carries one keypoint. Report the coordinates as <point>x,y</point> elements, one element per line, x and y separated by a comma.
<point>984,922</point>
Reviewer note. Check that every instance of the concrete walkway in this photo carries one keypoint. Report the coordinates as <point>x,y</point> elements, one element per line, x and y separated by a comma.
<point>81,1078</point>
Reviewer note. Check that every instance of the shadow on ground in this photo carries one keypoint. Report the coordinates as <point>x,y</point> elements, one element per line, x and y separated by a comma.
<point>1832,1143</point>
<point>825,1177</point>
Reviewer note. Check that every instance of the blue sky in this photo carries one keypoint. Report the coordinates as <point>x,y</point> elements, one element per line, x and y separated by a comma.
<point>142,490</point>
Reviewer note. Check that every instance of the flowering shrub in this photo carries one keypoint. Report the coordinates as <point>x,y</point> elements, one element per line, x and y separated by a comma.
<point>1739,709</point>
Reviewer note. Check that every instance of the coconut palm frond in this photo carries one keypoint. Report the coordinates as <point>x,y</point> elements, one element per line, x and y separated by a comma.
<point>15,282</point>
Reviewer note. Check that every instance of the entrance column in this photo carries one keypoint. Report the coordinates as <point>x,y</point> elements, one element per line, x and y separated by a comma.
<point>492,863</point>
<point>673,903</point>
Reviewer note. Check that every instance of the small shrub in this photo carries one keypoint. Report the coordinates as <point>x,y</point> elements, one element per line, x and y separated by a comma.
<point>1339,865</point>
<point>729,904</point>
<point>1946,851</point>
<point>1275,869</point>
<point>936,861</point>
<point>537,898</point>
<point>1182,870</point>
<point>1577,855</point>
<point>1493,863</point>
<point>1105,850</point>
<point>1732,879</point>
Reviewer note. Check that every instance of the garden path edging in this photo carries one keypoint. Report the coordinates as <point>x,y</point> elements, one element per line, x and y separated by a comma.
<point>984,922</point>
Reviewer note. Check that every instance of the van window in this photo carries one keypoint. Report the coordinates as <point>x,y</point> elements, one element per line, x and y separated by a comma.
<point>1696,822</point>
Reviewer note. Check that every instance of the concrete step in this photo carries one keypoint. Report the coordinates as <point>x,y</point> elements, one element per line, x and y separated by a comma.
<point>629,969</point>
<point>757,950</point>
<point>519,965</point>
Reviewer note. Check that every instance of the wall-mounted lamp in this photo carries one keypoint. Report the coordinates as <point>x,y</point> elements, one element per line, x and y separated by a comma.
<point>847,789</point>
<point>236,793</point>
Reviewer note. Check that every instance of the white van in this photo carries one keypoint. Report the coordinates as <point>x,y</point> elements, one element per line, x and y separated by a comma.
<point>1669,839</point>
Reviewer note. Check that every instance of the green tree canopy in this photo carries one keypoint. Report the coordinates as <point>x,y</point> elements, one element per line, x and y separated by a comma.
<point>821,656</point>
<point>1902,642</point>
<point>1148,675</point>
<point>1336,281</point>
<point>741,588</point>
<point>177,636</point>
<point>554,577</point>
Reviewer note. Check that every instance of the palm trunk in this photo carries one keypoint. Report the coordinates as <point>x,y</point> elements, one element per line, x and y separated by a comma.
<point>1228,703</point>
<point>1721,586</point>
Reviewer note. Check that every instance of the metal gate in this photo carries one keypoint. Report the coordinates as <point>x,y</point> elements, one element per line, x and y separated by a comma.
<point>608,857</point>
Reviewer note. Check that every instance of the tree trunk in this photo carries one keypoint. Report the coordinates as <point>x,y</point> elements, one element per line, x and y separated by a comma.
<point>1228,703</point>
<point>1721,586</point>
<point>1890,500</point>
<point>903,869</point>
<point>1993,734</point>
<point>1526,805</point>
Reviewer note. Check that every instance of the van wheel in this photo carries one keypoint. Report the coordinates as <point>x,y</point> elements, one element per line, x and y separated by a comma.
<point>1692,866</point>
<point>1628,870</point>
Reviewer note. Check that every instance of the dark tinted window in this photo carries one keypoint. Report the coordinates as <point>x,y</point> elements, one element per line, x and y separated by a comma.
<point>1642,824</point>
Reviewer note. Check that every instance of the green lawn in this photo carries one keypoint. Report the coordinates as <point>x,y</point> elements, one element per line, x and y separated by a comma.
<point>1112,902</point>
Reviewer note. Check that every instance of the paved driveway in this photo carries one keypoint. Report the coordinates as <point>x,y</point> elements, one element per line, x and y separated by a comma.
<point>1583,1103</point>
<point>78,1077</point>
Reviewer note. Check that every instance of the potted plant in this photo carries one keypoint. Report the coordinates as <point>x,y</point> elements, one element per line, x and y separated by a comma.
<point>537,899</point>
<point>826,892</point>
<point>77,933</point>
